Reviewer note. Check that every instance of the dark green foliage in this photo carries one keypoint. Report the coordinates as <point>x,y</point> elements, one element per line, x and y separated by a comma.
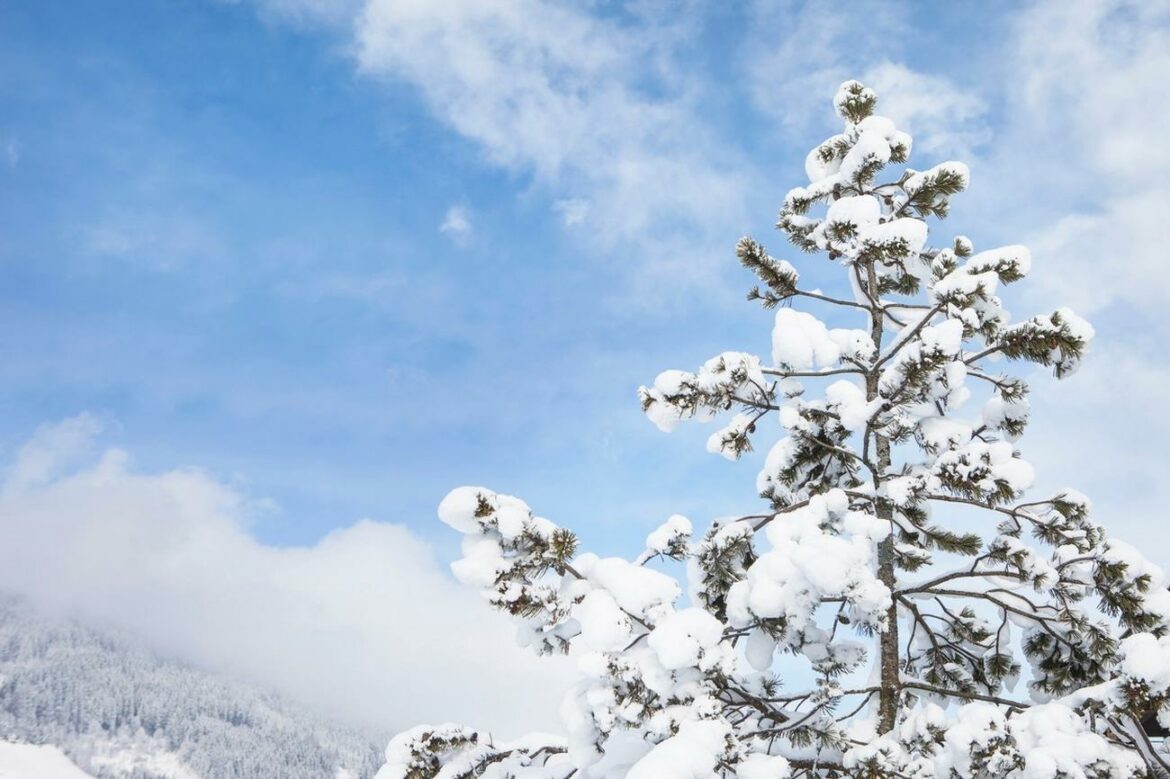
<point>723,559</point>
<point>779,278</point>
<point>1123,596</point>
<point>932,196</point>
<point>1078,656</point>
<point>858,102</point>
<point>1045,340</point>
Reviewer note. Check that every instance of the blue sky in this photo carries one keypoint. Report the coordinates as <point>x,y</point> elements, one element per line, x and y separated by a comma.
<point>343,256</point>
<point>223,239</point>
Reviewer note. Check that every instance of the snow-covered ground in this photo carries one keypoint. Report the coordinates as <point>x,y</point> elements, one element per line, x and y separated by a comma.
<point>125,757</point>
<point>32,761</point>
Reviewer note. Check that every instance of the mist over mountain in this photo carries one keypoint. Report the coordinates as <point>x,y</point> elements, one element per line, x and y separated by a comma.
<point>121,712</point>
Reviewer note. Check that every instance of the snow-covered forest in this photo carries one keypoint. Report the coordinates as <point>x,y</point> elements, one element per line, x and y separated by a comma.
<point>120,712</point>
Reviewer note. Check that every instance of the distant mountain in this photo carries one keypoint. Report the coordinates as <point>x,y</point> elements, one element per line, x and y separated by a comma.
<point>120,712</point>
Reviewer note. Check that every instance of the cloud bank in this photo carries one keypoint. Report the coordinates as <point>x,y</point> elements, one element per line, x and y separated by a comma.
<point>365,625</point>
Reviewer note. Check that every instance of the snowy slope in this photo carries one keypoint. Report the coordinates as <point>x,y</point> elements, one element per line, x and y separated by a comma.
<point>30,761</point>
<point>120,712</point>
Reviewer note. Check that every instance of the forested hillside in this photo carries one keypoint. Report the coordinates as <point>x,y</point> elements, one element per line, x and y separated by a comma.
<point>122,713</point>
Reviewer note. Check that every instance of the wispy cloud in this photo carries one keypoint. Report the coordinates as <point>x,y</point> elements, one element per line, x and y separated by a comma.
<point>1090,112</point>
<point>604,114</point>
<point>589,106</point>
<point>798,52</point>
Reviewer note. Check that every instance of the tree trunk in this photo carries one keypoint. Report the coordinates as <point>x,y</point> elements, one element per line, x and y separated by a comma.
<point>888,656</point>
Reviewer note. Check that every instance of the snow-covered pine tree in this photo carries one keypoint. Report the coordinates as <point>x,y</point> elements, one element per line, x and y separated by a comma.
<point>896,554</point>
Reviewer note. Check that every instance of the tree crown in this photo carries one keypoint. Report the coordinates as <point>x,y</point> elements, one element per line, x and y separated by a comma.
<point>896,556</point>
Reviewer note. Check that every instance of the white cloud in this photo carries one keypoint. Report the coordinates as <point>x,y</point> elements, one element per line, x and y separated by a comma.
<point>1094,75</point>
<point>1109,256</point>
<point>364,624</point>
<point>456,224</point>
<point>53,447</point>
